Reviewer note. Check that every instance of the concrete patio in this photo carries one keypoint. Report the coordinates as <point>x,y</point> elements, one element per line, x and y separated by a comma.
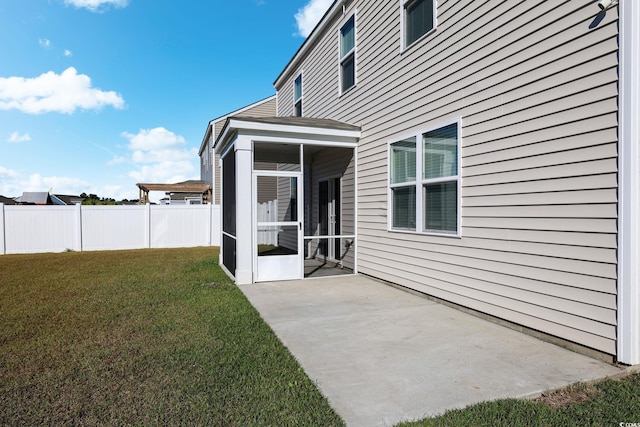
<point>382,355</point>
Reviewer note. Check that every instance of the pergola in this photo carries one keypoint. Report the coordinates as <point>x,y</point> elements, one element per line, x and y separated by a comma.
<point>199,188</point>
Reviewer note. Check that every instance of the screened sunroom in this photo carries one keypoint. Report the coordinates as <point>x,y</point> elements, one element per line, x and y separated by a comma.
<point>288,198</point>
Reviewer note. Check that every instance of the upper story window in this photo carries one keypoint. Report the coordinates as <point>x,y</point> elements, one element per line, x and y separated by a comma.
<point>297,96</point>
<point>348,54</point>
<point>418,17</point>
<point>424,182</point>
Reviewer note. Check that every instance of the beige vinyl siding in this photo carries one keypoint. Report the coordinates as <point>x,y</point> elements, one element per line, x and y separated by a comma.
<point>268,188</point>
<point>206,165</point>
<point>265,109</point>
<point>535,89</point>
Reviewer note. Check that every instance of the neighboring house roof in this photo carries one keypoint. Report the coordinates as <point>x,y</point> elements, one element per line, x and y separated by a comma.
<point>225,116</point>
<point>56,200</point>
<point>69,199</point>
<point>7,200</point>
<point>39,198</point>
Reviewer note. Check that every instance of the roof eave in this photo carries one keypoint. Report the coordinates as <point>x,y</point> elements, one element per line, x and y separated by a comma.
<point>212,123</point>
<point>207,135</point>
<point>234,125</point>
<point>310,40</point>
<point>304,129</point>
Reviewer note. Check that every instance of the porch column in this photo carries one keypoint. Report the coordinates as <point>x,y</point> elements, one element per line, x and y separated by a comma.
<point>244,219</point>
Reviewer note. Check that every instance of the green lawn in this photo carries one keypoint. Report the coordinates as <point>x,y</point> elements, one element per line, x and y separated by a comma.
<point>162,337</point>
<point>607,403</point>
<point>142,337</point>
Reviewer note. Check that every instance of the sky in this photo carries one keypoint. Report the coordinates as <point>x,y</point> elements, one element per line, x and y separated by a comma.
<point>98,95</point>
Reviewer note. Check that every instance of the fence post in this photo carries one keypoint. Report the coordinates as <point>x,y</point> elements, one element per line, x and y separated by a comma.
<point>3,246</point>
<point>78,227</point>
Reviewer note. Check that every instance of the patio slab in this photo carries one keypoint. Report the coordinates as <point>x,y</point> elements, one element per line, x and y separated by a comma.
<point>381,355</point>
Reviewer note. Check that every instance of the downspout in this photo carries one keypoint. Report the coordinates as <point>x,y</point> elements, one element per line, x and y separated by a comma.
<point>628,332</point>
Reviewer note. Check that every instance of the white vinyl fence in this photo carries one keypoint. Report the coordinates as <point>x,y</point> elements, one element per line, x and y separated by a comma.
<point>33,229</point>
<point>267,212</point>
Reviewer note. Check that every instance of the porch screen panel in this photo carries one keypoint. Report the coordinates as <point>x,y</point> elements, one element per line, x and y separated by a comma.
<point>229,211</point>
<point>282,157</point>
<point>229,253</point>
<point>229,193</point>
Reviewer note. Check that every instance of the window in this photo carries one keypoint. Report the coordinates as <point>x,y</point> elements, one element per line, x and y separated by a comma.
<point>424,182</point>
<point>403,179</point>
<point>297,96</point>
<point>418,18</point>
<point>348,55</point>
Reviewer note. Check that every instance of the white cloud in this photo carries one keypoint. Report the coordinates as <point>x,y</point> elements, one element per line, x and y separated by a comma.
<point>12,184</point>
<point>116,192</point>
<point>58,184</point>
<point>310,15</point>
<point>117,160</point>
<point>8,173</point>
<point>164,173</point>
<point>68,53</point>
<point>50,92</point>
<point>153,139</point>
<point>16,137</point>
<point>162,156</point>
<point>45,43</point>
<point>96,5</point>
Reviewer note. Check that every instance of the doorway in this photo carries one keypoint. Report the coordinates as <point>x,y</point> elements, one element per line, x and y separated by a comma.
<point>278,231</point>
<point>329,216</point>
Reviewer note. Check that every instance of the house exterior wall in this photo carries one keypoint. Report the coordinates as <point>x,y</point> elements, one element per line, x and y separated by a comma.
<point>534,87</point>
<point>207,163</point>
<point>211,172</point>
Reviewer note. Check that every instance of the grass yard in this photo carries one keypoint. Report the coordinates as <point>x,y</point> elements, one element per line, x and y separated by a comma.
<point>142,337</point>
<point>607,403</point>
<point>162,337</point>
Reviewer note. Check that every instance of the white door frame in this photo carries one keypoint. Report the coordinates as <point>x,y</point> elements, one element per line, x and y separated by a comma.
<point>332,212</point>
<point>278,267</point>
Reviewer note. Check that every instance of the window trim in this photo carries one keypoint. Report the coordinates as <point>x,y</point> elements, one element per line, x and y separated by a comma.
<point>403,32</point>
<point>352,53</point>
<point>420,182</point>
<point>301,98</point>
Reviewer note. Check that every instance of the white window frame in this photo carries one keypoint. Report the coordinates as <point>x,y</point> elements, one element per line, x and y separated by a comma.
<point>352,53</point>
<point>300,99</point>
<point>420,182</point>
<point>403,23</point>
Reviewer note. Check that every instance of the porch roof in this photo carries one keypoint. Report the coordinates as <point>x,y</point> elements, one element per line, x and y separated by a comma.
<point>304,126</point>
